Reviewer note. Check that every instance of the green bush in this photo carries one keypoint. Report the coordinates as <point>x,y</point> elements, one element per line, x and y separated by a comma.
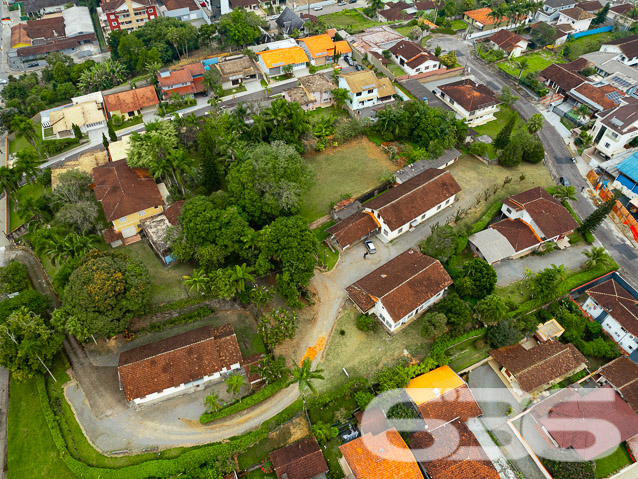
<point>487,216</point>
<point>53,147</point>
<point>31,299</point>
<point>363,398</point>
<point>366,323</point>
<point>117,120</point>
<point>14,278</point>
<point>185,318</point>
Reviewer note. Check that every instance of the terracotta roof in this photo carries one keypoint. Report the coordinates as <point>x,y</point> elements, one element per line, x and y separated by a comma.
<point>353,229</point>
<point>319,45</point>
<point>56,44</point>
<point>177,360</point>
<point>481,15</point>
<point>131,100</point>
<point>301,460</point>
<point>312,18</point>
<point>46,28</point>
<point>385,456</point>
<point>600,95</point>
<point>283,56</point>
<point>112,5</point>
<point>537,367</point>
<point>426,5</point>
<point>470,95</point>
<point>618,303</point>
<point>562,76</point>
<point>518,233</point>
<point>592,6</point>
<point>407,201</point>
<point>123,190</point>
<point>547,212</point>
<point>455,403</point>
<point>622,373</point>
<point>506,40</point>
<point>372,420</point>
<point>19,35</point>
<point>628,45</point>
<point>452,451</point>
<point>177,4</point>
<point>185,74</point>
<point>577,13</point>
<point>173,211</point>
<point>111,236</point>
<point>414,54</point>
<point>395,13</point>
<point>570,421</point>
<point>403,283</point>
<point>250,365</point>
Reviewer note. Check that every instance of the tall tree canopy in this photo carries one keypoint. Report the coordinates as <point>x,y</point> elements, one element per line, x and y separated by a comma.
<point>240,27</point>
<point>159,140</point>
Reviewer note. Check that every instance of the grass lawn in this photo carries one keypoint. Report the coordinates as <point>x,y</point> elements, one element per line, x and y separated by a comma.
<point>493,127</point>
<point>584,45</point>
<point>30,190</point>
<point>330,110</point>
<point>458,25</point>
<point>537,62</point>
<point>232,91</point>
<point>326,253</point>
<point>382,350</point>
<point>31,451</point>
<point>332,454</point>
<point>467,353</point>
<point>347,170</point>
<point>258,474</point>
<point>404,30</point>
<point>19,144</point>
<point>166,283</point>
<point>396,70</point>
<point>48,132</point>
<point>618,459</point>
<point>136,120</point>
<point>348,18</point>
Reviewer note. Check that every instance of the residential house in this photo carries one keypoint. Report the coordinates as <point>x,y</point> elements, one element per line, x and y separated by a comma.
<point>482,19</point>
<point>131,103</point>
<point>273,61</point>
<point>38,8</point>
<point>577,18</point>
<point>442,396</point>
<point>622,375</point>
<point>536,369</point>
<point>472,101</point>
<point>589,422</point>
<point>156,230</point>
<point>426,6</point>
<point>371,420</point>
<point>87,115</point>
<point>616,128</point>
<point>614,306</point>
<point>366,89</point>
<point>118,150</point>
<point>627,178</point>
<point>313,91</point>
<point>397,12</point>
<point>289,21</point>
<point>623,13</point>
<point>560,35</point>
<point>237,70</point>
<point>375,39</point>
<point>451,450</point>
<point>552,8</point>
<point>511,43</point>
<point>185,81</point>
<point>85,163</point>
<point>321,49</point>
<point>128,196</point>
<point>126,14</point>
<point>399,290</point>
<point>505,239</point>
<point>613,71</point>
<point>413,58</point>
<point>184,10</point>
<point>353,229</point>
<point>250,5</point>
<point>178,364</point>
<point>300,460</point>
<point>564,77</point>
<point>596,97</point>
<point>593,6</point>
<point>626,48</point>
<point>377,456</point>
<point>408,172</point>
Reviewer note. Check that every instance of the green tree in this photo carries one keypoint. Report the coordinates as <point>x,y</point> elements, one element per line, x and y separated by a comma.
<point>449,59</point>
<point>593,221</point>
<point>511,154</point>
<point>14,278</point>
<point>198,281</point>
<point>434,325</point>
<point>212,402</point>
<point>375,5</point>
<point>491,309</point>
<point>535,123</point>
<point>503,334</point>
<point>507,98</point>
<point>273,370</point>
<point>304,377</point>
<point>533,150</point>
<point>482,275</point>
<point>565,193</point>
<point>105,142</point>
<point>545,282</point>
<point>522,64</point>
<point>441,244</point>
<point>503,136</point>
<point>8,179</point>
<point>70,247</point>
<point>240,27</point>
<point>102,295</point>
<point>341,96</point>
<point>278,326</point>
<point>212,81</point>
<point>27,164</point>
<point>234,382</point>
<point>366,322</point>
<point>27,344</point>
<point>597,256</point>
<point>23,128</point>
<point>159,141</point>
<point>112,134</point>
<point>601,16</point>
<point>456,310</point>
<point>324,432</point>
<point>543,34</point>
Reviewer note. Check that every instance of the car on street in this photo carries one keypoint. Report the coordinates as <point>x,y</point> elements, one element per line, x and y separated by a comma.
<point>349,61</point>
<point>564,181</point>
<point>3,81</point>
<point>352,1</point>
<point>32,65</point>
<point>370,247</point>
<point>341,4</point>
<point>317,8</point>
<point>358,67</point>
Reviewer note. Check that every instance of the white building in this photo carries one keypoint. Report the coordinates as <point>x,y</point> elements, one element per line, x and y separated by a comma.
<point>184,10</point>
<point>366,89</point>
<point>472,101</point>
<point>616,128</point>
<point>413,58</point>
<point>401,289</point>
<point>511,43</point>
<point>552,8</point>
<point>615,308</point>
<point>626,48</point>
<point>577,18</point>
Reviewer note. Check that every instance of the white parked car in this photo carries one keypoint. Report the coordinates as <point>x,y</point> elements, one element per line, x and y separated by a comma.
<point>3,81</point>
<point>317,8</point>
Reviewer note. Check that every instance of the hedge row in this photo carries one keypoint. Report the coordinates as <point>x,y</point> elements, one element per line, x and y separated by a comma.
<point>180,303</point>
<point>589,237</point>
<point>160,468</point>
<point>251,400</point>
<point>191,317</point>
<point>487,216</point>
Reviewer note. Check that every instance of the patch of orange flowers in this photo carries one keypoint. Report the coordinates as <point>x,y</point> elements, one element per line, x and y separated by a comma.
<point>312,351</point>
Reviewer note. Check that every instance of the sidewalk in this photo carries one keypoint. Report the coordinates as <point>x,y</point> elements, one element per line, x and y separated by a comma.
<point>491,449</point>
<point>554,119</point>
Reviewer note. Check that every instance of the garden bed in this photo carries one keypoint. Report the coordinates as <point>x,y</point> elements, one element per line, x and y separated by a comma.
<point>136,120</point>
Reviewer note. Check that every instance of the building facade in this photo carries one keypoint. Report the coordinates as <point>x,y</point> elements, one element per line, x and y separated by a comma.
<point>126,14</point>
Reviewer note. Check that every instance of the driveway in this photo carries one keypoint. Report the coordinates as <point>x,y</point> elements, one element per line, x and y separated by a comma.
<point>512,270</point>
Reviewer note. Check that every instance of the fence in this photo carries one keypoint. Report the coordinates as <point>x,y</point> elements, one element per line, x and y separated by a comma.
<point>607,28</point>
<point>379,66</point>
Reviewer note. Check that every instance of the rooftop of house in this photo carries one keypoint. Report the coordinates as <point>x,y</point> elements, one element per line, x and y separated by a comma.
<point>482,16</point>
<point>243,3</point>
<point>548,213</point>
<point>177,360</point>
<point>620,76</point>
<point>492,245</point>
<point>619,303</point>
<point>19,35</point>
<point>31,6</point>
<point>577,13</point>
<point>518,233</point>
<point>433,384</point>
<point>353,228</point>
<point>622,374</point>
<point>403,283</point>
<point>413,169</point>
<point>112,5</point>
<point>182,75</point>
<point>549,329</point>
<point>288,21</point>
<point>371,420</point>
<point>559,3</point>
<point>568,417</point>
<point>52,27</point>
<point>425,5</point>
<point>86,162</point>
<point>319,45</point>
<point>119,149</point>
<point>375,38</point>
<point>360,81</point>
<point>414,54</point>
<point>56,44</point>
<point>604,96</point>
<point>395,13</point>
<point>123,190</point>
<point>592,6</point>
<point>283,56</point>
<point>470,95</point>
<point>155,229</point>
<point>173,211</point>
<point>407,201</point>
<point>451,451</point>
<point>317,82</point>
<point>131,100</point>
<point>81,115</point>
<point>629,167</point>
<point>384,456</point>
<point>623,119</point>
<point>179,4</point>
<point>562,76</point>
<point>623,9</point>
<point>627,45</point>
<point>300,460</point>
<point>507,40</point>
<point>242,65</point>
<point>297,94</point>
<point>537,367</point>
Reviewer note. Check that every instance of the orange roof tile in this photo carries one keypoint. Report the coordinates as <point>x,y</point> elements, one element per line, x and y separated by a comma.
<point>131,100</point>
<point>342,47</point>
<point>385,456</point>
<point>283,56</point>
<point>319,45</point>
<point>481,15</point>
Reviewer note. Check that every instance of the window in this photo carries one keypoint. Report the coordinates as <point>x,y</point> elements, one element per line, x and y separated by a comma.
<point>369,92</point>
<point>438,207</point>
<point>614,135</point>
<point>122,219</point>
<point>448,201</point>
<point>422,217</point>
<point>142,213</point>
<point>385,232</point>
<point>359,94</point>
<point>607,145</point>
<point>400,229</point>
<point>508,210</point>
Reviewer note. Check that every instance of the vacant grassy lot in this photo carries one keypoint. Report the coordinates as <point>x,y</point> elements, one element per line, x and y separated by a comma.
<point>615,461</point>
<point>30,190</point>
<point>467,353</point>
<point>537,62</point>
<point>347,170</point>
<point>350,20</point>
<point>584,45</point>
<point>166,283</point>
<point>492,128</point>
<point>404,30</point>
<point>381,349</point>
<point>458,25</point>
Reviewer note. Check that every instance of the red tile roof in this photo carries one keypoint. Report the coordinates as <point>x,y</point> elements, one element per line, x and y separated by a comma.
<point>507,40</point>
<point>518,233</point>
<point>577,13</point>
<point>599,94</point>
<point>470,95</point>
<point>618,303</point>
<point>177,360</point>
<point>562,76</point>
<point>534,369</point>
<point>622,374</point>
<point>191,74</point>
<point>456,403</point>
<point>414,54</point>
<point>301,460</point>
<point>123,190</point>
<point>131,100</point>
<point>111,236</point>
<point>352,229</point>
<point>46,28</point>
<point>411,199</point>
<point>452,451</point>
<point>402,284</point>
<point>177,4</point>
<point>173,211</point>
<point>393,14</point>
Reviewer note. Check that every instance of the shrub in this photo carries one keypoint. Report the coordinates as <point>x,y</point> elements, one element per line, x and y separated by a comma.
<point>503,334</point>
<point>487,216</point>
<point>53,147</point>
<point>479,148</point>
<point>363,398</point>
<point>245,403</point>
<point>366,323</point>
<point>117,120</point>
<point>14,278</point>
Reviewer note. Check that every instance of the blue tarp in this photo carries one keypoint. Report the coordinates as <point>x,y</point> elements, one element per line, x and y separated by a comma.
<point>629,167</point>
<point>607,28</point>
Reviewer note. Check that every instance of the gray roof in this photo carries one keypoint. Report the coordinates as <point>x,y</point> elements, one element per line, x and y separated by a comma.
<point>288,21</point>
<point>30,6</point>
<point>607,62</point>
<point>492,245</point>
<point>410,171</point>
<point>559,3</point>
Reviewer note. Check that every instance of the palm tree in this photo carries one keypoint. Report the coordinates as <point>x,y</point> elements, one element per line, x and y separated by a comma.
<point>234,382</point>
<point>522,64</point>
<point>565,193</point>
<point>198,281</point>
<point>27,164</point>
<point>304,376</point>
<point>240,276</point>
<point>597,256</point>
<point>8,179</point>
<point>213,402</point>
<point>181,164</point>
<point>173,36</point>
<point>376,5</point>
<point>341,97</point>
<point>23,128</point>
<point>152,69</point>
<point>535,123</point>
<point>560,271</point>
<point>28,209</point>
<point>259,130</point>
<point>72,246</point>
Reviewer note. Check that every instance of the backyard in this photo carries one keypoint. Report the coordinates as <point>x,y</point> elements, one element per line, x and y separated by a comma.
<point>605,466</point>
<point>493,127</point>
<point>536,63</point>
<point>340,172</point>
<point>30,190</point>
<point>350,20</point>
<point>468,352</point>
